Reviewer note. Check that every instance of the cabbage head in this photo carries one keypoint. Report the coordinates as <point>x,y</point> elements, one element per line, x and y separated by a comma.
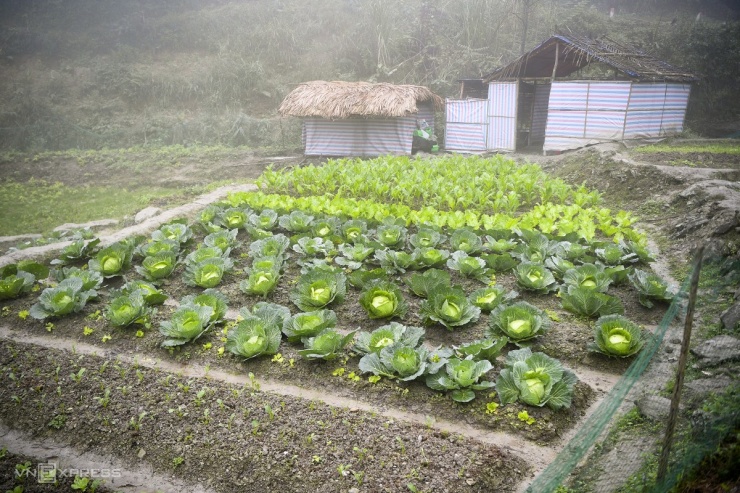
<point>615,335</point>
<point>326,345</point>
<point>449,306</point>
<point>396,361</point>
<point>520,322</point>
<point>535,379</point>
<point>308,324</point>
<point>317,289</point>
<point>462,377</point>
<point>383,299</point>
<point>387,335</point>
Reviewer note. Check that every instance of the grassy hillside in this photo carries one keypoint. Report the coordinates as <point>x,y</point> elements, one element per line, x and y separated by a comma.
<point>94,73</point>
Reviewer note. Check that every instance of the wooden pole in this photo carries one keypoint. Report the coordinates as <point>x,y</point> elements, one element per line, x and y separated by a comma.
<point>555,65</point>
<point>676,396</point>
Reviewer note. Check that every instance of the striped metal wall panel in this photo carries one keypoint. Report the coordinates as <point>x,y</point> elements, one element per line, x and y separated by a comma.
<point>502,104</point>
<point>358,137</point>
<point>607,125</point>
<point>571,96</point>
<point>647,96</point>
<point>466,111</point>
<point>608,96</point>
<point>465,137</point>
<point>565,123</point>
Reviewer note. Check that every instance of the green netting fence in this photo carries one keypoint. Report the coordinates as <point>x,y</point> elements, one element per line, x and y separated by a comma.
<point>705,437</point>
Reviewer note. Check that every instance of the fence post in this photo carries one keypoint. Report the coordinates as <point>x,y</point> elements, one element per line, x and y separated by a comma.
<point>676,396</point>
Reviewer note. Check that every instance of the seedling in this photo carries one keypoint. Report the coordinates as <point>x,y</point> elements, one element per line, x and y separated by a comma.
<point>77,377</point>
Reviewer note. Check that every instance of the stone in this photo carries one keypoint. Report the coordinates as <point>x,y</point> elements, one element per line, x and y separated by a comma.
<point>141,453</point>
<point>654,407</point>
<point>731,317</point>
<point>100,223</point>
<point>145,214</point>
<point>698,390</point>
<point>717,350</point>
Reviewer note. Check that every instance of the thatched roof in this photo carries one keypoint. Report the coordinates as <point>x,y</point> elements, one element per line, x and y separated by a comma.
<point>339,100</point>
<point>574,52</point>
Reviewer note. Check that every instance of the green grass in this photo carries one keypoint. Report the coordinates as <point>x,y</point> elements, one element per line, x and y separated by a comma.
<point>38,206</point>
<point>717,148</point>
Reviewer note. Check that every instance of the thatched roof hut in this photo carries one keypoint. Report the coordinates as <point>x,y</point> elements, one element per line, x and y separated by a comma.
<point>339,100</point>
<point>359,118</point>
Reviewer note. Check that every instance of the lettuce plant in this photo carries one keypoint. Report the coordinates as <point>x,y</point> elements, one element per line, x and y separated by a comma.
<point>588,276</point>
<point>589,302</point>
<point>67,297</point>
<point>466,241</point>
<point>426,238</point>
<point>208,273</point>
<point>430,257</point>
<point>615,335</point>
<point>519,322</point>
<point>650,287</point>
<point>481,349</point>
<point>157,267</point>
<point>308,324</point>
<point>490,297</point>
<point>535,277</point>
<point>260,282</point>
<point>317,289</point>
<point>462,377</point>
<point>422,283</point>
<point>535,379</point>
<point>326,345</point>
<point>448,306</point>
<point>296,222</point>
<point>128,309</point>
<point>187,323</point>
<point>373,342</point>
<point>224,239</point>
<point>383,299</point>
<point>112,261</point>
<point>266,220</point>
<point>212,298</point>
<point>468,266</point>
<point>396,361</point>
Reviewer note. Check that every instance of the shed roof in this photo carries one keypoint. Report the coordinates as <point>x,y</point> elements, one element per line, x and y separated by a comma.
<point>339,100</point>
<point>575,52</point>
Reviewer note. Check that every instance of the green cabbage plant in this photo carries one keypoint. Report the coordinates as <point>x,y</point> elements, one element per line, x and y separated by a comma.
<point>490,297</point>
<point>395,262</point>
<point>519,322</point>
<point>296,222</point>
<point>313,247</point>
<point>535,379</point>
<point>462,377</point>
<point>212,298</point>
<point>326,227</point>
<point>353,255</point>
<point>207,273</point>
<point>112,261</point>
<point>205,253</point>
<point>308,324</point>
<point>14,283</point>
<point>153,247</point>
<point>260,282</point>
<point>354,230</point>
<point>448,306</point>
<point>254,336</point>
<point>77,250</point>
<point>588,276</point>
<point>233,218</point>
<point>186,324</point>
<point>361,277</point>
<point>157,267</point>
<point>391,235</point>
<point>65,298</point>
<point>396,361</point>
<point>128,309</point>
<point>466,241</point>
<point>375,341</point>
<point>266,220</point>
<point>481,349</point>
<point>588,302</point>
<point>615,335</point>
<point>422,283</point>
<point>274,246</point>
<point>383,299</point>
<point>535,277</point>
<point>500,263</point>
<point>174,231</point>
<point>426,238</point>
<point>224,239</point>
<point>430,257</point>
<point>326,345</point>
<point>317,289</point>
<point>650,287</point>
<point>152,295</point>
<point>468,266</point>
<point>559,266</point>
<point>500,245</point>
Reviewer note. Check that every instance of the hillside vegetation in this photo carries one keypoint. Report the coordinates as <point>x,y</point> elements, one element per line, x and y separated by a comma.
<point>97,73</point>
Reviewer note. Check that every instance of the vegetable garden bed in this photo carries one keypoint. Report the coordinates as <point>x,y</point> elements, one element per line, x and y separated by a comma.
<point>462,289</point>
